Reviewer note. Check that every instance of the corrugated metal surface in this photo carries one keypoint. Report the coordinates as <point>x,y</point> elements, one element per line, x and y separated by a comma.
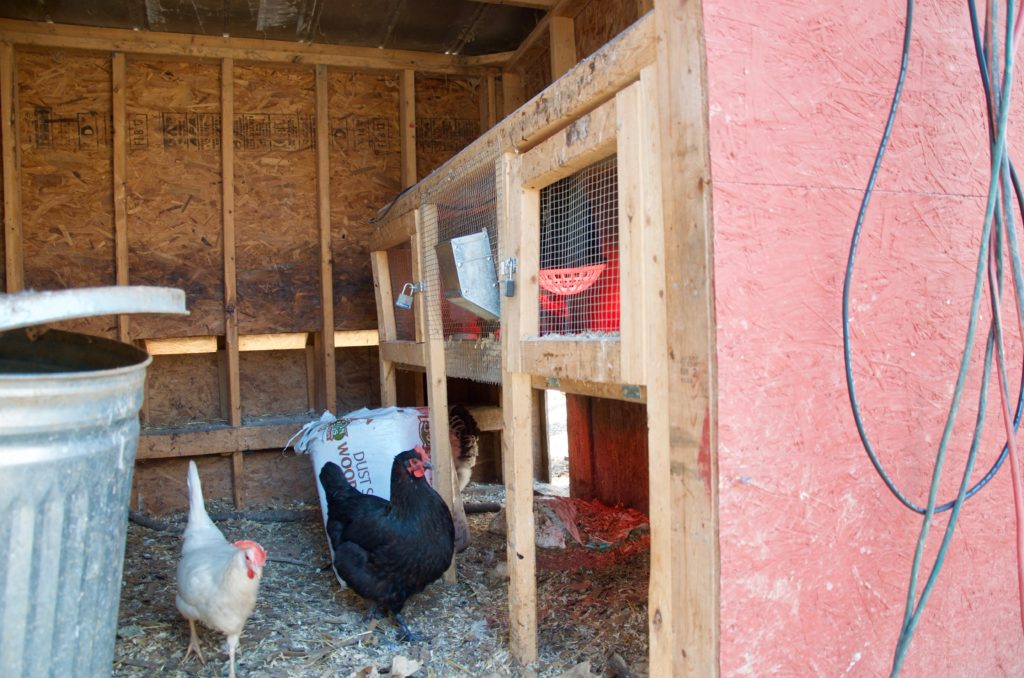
<point>439,26</point>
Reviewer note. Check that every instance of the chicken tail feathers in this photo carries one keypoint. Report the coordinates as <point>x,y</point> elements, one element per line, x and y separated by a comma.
<point>197,514</point>
<point>336,486</point>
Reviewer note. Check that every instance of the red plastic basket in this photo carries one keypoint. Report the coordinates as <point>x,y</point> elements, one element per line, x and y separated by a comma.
<point>568,281</point>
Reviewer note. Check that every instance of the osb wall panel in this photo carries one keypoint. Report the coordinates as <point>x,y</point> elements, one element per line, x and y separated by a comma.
<point>358,378</point>
<point>600,21</point>
<point>182,389</point>
<point>535,68</point>
<point>174,191</point>
<point>365,175</point>
<point>447,119</point>
<point>815,552</point>
<point>270,477</point>
<point>277,236</point>
<point>64,105</point>
<point>273,383</point>
<point>400,270</point>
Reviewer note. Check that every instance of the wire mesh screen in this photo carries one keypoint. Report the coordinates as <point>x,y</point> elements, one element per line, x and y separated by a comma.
<point>463,207</point>
<point>579,252</point>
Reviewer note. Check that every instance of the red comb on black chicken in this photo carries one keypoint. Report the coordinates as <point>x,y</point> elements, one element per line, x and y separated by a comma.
<point>388,550</point>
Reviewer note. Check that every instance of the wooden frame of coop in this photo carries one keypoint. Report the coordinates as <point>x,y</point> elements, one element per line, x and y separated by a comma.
<point>642,97</point>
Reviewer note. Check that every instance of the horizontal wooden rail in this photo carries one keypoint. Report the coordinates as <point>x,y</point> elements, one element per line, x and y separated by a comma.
<point>286,341</point>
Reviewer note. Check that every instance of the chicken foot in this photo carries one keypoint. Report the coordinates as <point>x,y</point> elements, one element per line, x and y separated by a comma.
<point>405,633</point>
<point>193,644</point>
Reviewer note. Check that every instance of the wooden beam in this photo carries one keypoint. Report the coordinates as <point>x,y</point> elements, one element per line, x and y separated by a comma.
<point>518,431</point>
<point>407,124</point>
<point>404,353</point>
<point>233,390</point>
<point>327,378</point>
<point>487,417</point>
<point>356,338</point>
<point>533,4</point>
<point>180,346</point>
<point>629,392</point>
<point>14,254</point>
<point>582,143</point>
<point>218,438</point>
<point>286,341</point>
<point>120,164</point>
<point>395,231</point>
<point>179,45</point>
<point>684,602</point>
<point>562,39</point>
<point>586,359</point>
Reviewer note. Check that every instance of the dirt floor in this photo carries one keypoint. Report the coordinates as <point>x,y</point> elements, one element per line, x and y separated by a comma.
<point>591,604</point>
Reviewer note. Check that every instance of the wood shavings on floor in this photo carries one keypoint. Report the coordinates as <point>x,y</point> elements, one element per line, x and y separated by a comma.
<point>591,611</point>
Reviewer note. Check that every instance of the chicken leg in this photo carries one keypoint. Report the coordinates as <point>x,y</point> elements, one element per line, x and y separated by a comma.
<point>232,644</point>
<point>405,633</point>
<point>193,644</point>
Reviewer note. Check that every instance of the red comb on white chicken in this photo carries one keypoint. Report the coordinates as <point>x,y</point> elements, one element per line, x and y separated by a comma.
<point>217,581</point>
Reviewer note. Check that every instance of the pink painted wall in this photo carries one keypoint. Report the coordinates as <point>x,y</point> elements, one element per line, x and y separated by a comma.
<point>816,553</point>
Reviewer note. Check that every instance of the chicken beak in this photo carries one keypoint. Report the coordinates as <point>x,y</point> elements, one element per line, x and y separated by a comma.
<point>427,464</point>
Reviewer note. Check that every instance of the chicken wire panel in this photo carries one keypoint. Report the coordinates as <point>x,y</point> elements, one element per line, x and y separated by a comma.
<point>579,253</point>
<point>464,205</point>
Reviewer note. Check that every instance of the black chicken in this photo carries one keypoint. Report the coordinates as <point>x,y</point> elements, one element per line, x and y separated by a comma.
<point>387,551</point>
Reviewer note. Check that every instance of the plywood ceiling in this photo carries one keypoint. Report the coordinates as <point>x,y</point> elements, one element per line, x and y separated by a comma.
<point>466,27</point>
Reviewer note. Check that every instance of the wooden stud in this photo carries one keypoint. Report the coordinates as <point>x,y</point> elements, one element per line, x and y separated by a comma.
<point>420,304</point>
<point>233,404</point>
<point>14,261</point>
<point>356,338</point>
<point>684,601</point>
<point>517,407</point>
<point>238,479</point>
<point>326,359</point>
<point>437,380</point>
<point>562,36</point>
<point>579,431</point>
<point>541,459</point>
<point>58,36</point>
<point>313,362</point>
<point>491,102</point>
<point>385,325</point>
<point>407,123</point>
<point>512,94</point>
<point>120,164</point>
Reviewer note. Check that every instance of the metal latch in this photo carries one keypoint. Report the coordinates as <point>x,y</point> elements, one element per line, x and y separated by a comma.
<point>508,270</point>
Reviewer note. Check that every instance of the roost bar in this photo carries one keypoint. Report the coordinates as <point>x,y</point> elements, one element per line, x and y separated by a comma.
<point>494,202</point>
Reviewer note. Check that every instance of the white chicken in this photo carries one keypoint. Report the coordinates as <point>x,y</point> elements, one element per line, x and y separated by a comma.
<point>217,581</point>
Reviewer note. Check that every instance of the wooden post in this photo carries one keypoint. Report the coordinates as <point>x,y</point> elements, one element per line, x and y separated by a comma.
<point>120,165</point>
<point>437,382</point>
<point>14,255</point>
<point>327,391</point>
<point>562,37</point>
<point>517,412</point>
<point>407,123</point>
<point>634,175</point>
<point>683,607</point>
<point>492,102</point>
<point>234,404</point>
<point>385,324</point>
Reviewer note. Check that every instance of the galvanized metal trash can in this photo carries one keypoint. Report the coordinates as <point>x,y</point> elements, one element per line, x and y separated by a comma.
<point>69,428</point>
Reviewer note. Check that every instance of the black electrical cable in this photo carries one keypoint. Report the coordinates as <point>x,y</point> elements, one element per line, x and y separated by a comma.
<point>847,351</point>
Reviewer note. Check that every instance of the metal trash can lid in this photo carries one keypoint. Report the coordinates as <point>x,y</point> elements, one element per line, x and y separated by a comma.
<point>25,309</point>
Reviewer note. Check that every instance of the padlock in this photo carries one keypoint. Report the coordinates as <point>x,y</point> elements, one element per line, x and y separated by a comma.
<point>405,297</point>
